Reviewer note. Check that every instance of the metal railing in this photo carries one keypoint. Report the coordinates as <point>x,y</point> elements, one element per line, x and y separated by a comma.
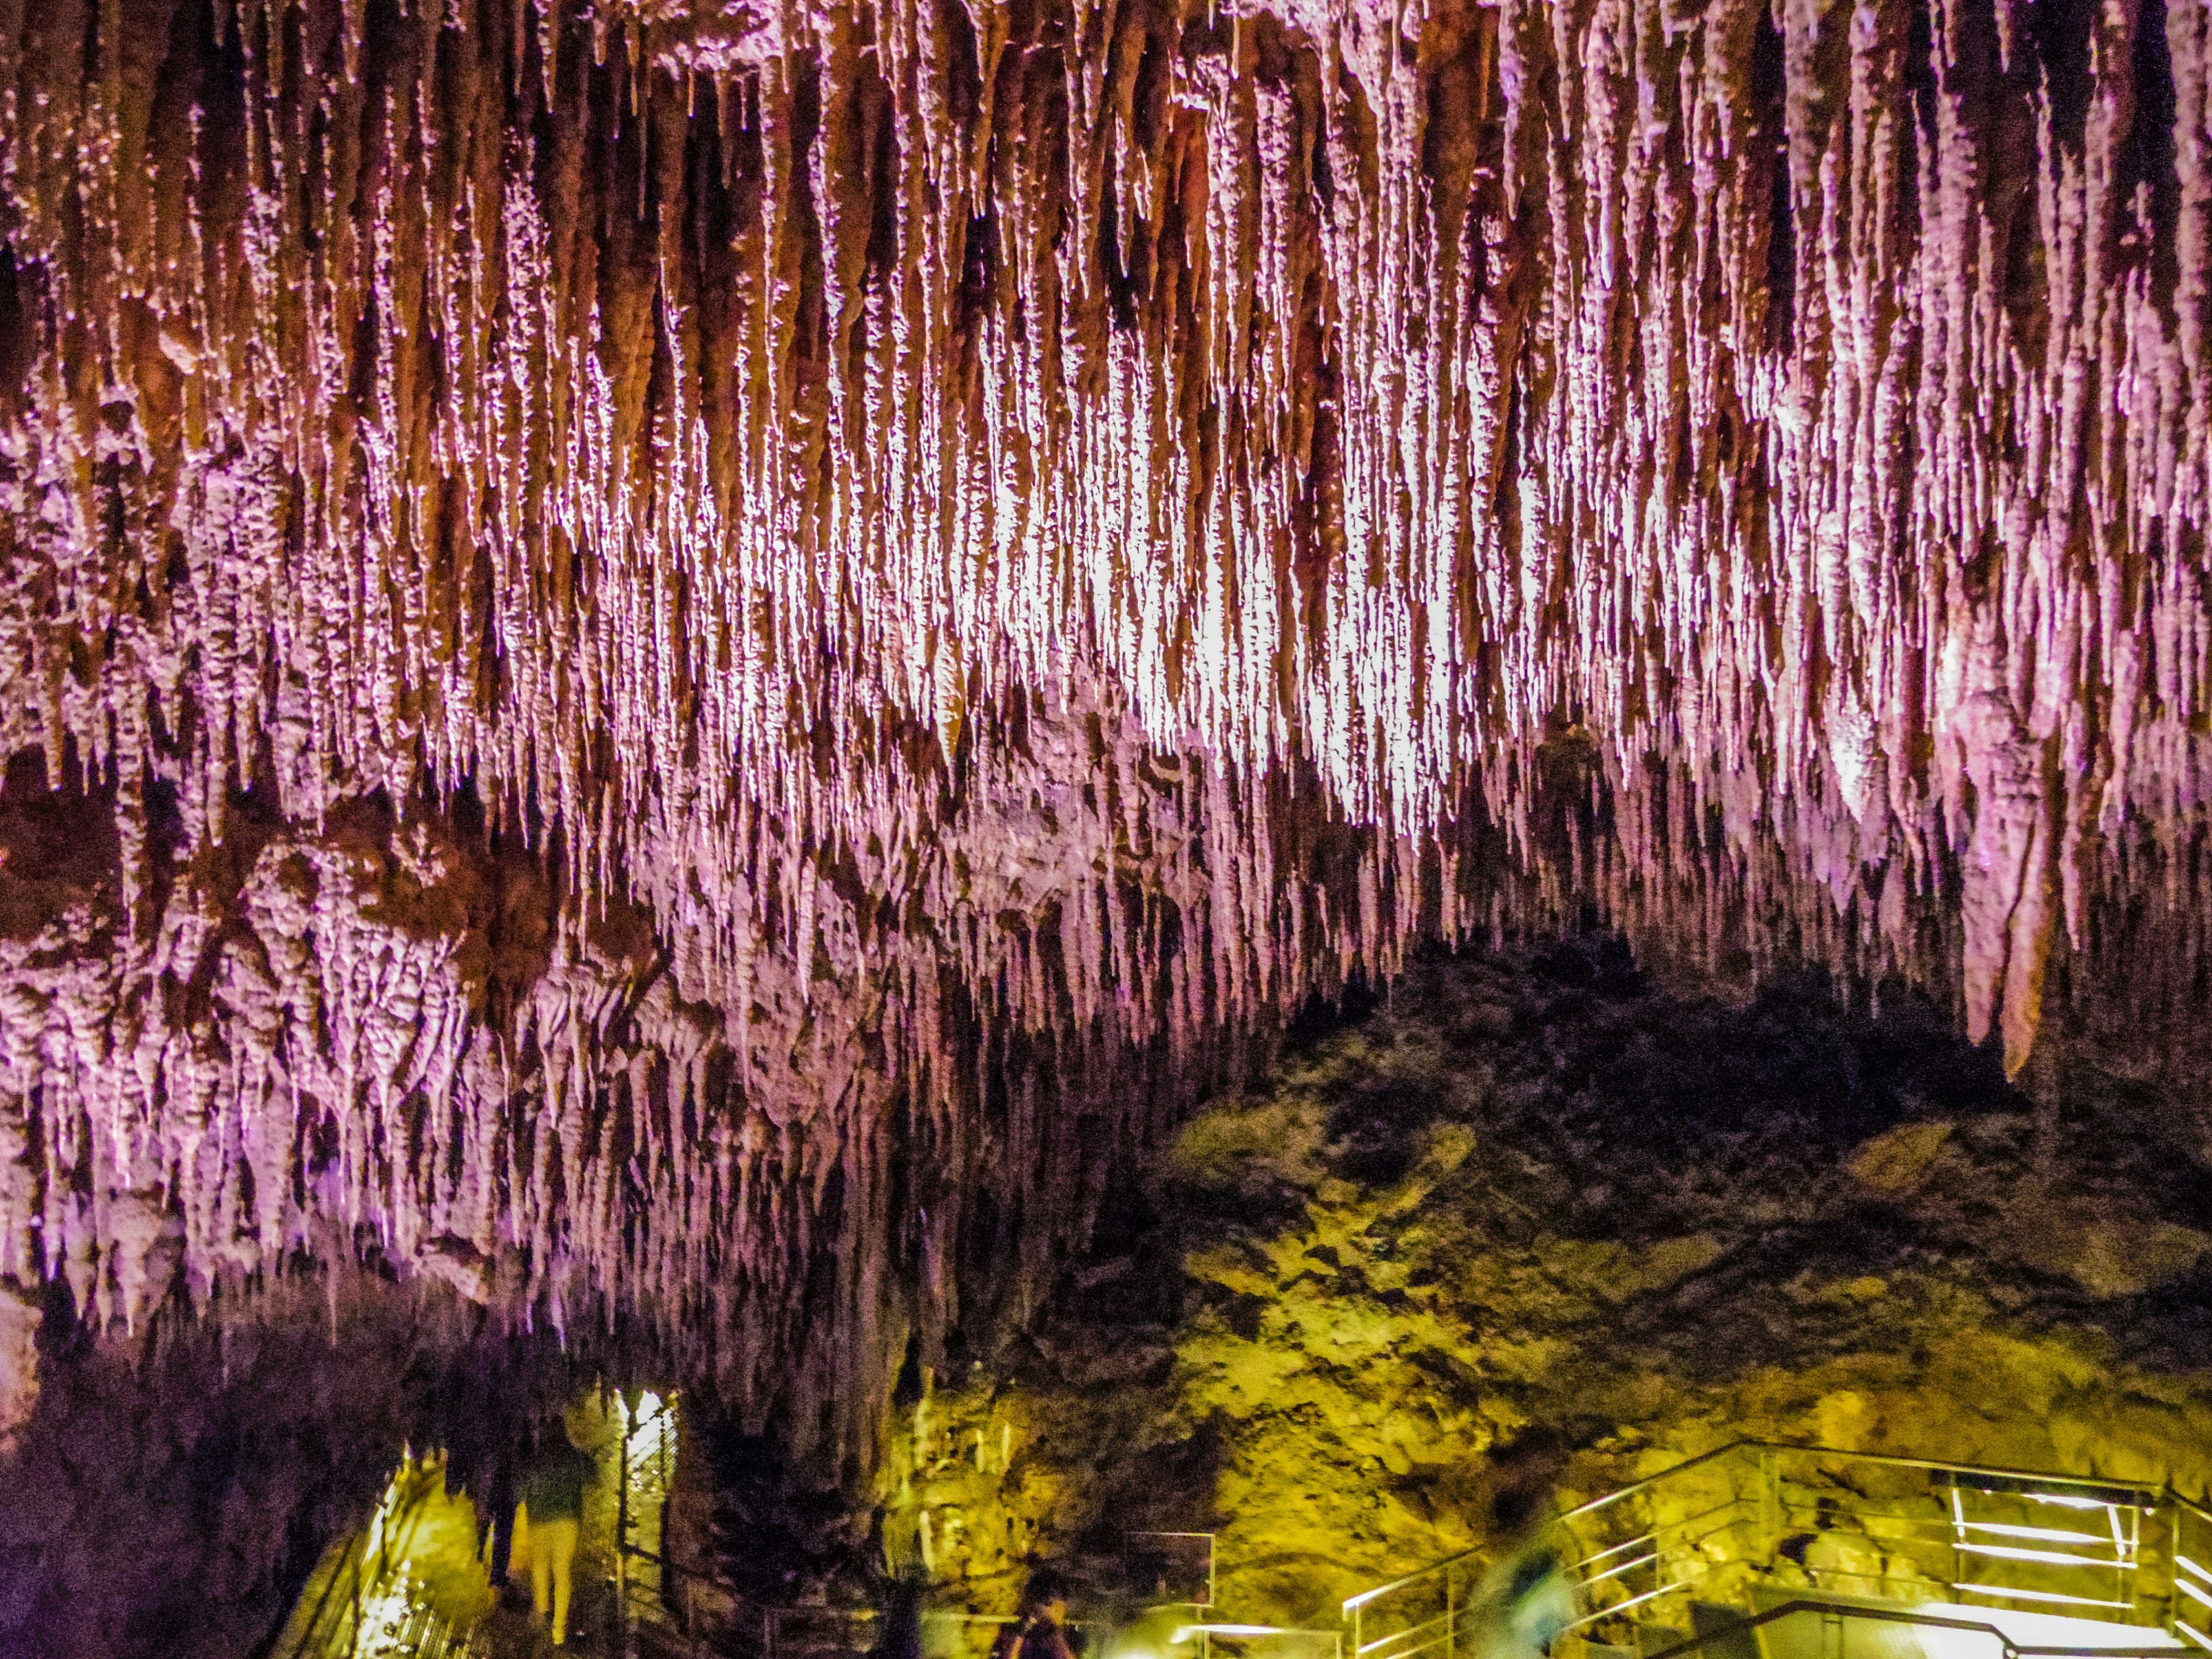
<point>367,1604</point>
<point>1844,1613</point>
<point>827,1632</point>
<point>1904,1529</point>
<point>1162,1570</point>
<point>2191,1615</point>
<point>1176,1562</point>
<point>1262,1641</point>
<point>1417,1614</point>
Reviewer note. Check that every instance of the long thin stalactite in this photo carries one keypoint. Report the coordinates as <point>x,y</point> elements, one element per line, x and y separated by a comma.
<point>677,654</point>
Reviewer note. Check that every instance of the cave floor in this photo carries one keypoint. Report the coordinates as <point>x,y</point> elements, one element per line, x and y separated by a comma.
<point>415,1580</point>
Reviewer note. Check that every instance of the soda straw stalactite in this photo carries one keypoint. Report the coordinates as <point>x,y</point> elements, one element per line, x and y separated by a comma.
<point>651,641</point>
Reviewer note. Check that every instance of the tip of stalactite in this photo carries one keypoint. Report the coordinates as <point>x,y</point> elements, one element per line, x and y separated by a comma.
<point>1019,545</point>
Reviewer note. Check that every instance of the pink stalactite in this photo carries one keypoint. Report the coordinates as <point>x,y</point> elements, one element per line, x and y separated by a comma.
<point>974,553</point>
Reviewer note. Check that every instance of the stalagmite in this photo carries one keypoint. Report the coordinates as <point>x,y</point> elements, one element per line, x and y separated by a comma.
<point>654,644</point>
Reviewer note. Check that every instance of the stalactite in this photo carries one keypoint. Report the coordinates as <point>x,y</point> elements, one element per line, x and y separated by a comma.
<point>655,642</point>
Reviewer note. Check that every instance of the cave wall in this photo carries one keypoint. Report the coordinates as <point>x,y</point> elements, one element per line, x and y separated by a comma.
<point>174,1489</point>
<point>695,654</point>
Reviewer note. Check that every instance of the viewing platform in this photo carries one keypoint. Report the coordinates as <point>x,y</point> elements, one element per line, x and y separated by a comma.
<point>1759,1550</point>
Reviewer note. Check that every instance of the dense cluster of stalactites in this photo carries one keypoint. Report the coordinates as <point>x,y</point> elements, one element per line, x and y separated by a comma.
<point>646,643</point>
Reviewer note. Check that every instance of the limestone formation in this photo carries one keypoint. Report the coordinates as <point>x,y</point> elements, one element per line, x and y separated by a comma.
<point>666,654</point>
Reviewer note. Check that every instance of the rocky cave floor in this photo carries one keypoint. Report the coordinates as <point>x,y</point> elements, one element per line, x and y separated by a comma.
<point>1542,1192</point>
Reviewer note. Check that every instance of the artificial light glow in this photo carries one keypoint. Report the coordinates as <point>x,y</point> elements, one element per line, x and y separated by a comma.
<point>2035,1630</point>
<point>648,1456</point>
<point>388,1604</point>
<point>647,1432</point>
<point>2006,1593</point>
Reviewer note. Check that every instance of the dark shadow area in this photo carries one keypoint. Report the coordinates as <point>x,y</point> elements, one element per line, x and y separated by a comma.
<point>173,1493</point>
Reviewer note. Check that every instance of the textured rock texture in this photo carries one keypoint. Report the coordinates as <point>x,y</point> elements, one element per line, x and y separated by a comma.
<point>1565,1206</point>
<point>664,652</point>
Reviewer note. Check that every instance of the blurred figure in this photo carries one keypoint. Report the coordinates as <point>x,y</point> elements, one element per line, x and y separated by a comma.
<point>902,1631</point>
<point>1526,1604</point>
<point>1526,1600</point>
<point>1040,1629</point>
<point>548,1520</point>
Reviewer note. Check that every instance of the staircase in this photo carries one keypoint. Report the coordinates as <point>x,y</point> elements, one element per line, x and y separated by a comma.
<point>1760,1550</point>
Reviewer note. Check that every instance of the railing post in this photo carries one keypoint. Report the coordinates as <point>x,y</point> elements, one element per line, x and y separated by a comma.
<point>622,1521</point>
<point>1770,1508</point>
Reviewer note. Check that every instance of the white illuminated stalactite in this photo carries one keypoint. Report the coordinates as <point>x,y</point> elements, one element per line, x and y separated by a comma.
<point>694,438</point>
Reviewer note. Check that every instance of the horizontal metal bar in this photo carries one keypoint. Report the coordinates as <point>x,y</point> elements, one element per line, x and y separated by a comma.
<point>1393,1644</point>
<point>1384,1643</point>
<point>1669,1474</point>
<point>1436,1622</point>
<point>2040,1477</point>
<point>1998,1592</point>
<point>1673,1529</point>
<point>2055,1534</point>
<point>1900,1615</point>
<point>1635,1543</point>
<point>1616,1572</point>
<point>2089,1493</point>
<point>1383,1646</point>
<point>1623,1607</point>
<point>1790,1609</point>
<point>1704,1515</point>
<point>2049,1557</point>
<point>1415,1577</point>
<point>1935,1526</point>
<point>2194,1634</point>
<point>1428,1646</point>
<point>2194,1566</point>
<point>1183,1633</point>
<point>2192,1592</point>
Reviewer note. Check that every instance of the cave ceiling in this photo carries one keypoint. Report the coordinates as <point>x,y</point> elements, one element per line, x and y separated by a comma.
<point>679,653</point>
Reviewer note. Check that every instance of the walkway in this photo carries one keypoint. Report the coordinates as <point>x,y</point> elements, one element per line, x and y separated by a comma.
<point>1770,1551</point>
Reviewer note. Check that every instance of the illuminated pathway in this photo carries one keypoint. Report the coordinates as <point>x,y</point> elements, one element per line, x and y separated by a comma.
<point>415,1581</point>
<point>1766,1552</point>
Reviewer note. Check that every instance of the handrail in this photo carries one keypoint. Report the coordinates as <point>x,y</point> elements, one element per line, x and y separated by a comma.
<point>1667,1474</point>
<point>1352,1603</point>
<point>2136,1493</point>
<point>1888,1460</point>
<point>1900,1616</point>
